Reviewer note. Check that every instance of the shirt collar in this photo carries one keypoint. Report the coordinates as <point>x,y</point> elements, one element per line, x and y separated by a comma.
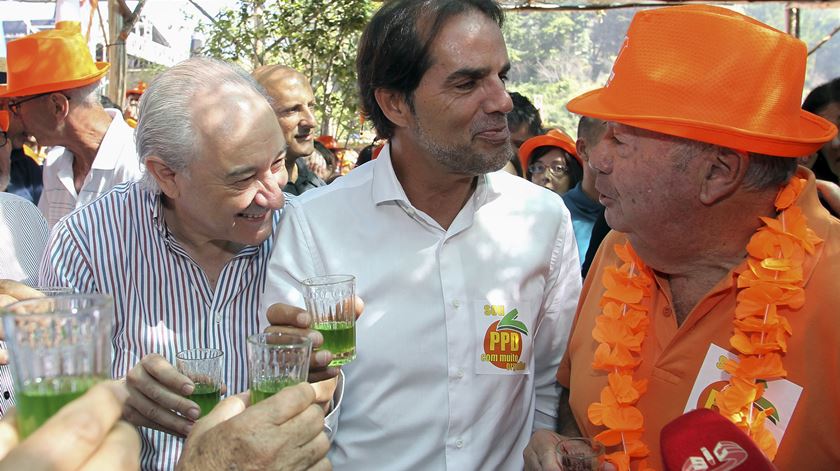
<point>159,223</point>
<point>581,201</point>
<point>386,187</point>
<point>113,142</point>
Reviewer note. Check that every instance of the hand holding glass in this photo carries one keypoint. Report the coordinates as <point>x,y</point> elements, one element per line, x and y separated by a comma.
<point>331,300</point>
<point>276,361</point>
<point>580,454</point>
<point>60,347</point>
<point>203,366</point>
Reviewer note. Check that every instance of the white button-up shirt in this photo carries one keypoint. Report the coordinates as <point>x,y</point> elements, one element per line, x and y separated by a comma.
<point>447,375</point>
<point>115,162</point>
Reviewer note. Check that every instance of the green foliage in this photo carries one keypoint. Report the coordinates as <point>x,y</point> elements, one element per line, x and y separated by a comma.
<point>317,37</point>
<point>558,55</point>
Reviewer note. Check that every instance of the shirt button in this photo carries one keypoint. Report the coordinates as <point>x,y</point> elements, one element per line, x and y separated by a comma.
<point>459,374</point>
<point>456,304</point>
<point>6,395</point>
<point>218,317</point>
<point>459,443</point>
<point>667,312</point>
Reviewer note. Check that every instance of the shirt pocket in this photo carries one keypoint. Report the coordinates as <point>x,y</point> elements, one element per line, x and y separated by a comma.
<point>503,332</point>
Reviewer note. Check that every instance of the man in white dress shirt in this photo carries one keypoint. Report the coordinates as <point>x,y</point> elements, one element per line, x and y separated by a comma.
<point>470,276</point>
<point>53,93</point>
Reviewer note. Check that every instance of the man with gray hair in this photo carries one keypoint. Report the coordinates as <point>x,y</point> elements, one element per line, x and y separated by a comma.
<point>60,107</point>
<point>184,253</point>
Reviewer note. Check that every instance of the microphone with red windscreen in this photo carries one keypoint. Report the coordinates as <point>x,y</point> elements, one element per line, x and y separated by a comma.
<point>703,440</point>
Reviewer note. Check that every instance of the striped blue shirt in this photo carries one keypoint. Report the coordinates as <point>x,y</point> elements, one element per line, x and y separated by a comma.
<point>120,245</point>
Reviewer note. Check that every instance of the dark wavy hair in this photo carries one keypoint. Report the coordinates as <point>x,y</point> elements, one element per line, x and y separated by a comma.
<point>818,99</point>
<point>394,48</point>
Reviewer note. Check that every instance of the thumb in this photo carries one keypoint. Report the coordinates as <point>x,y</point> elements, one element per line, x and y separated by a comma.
<point>230,407</point>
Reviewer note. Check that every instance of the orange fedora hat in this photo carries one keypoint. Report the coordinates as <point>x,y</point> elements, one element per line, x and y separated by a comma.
<point>553,138</point>
<point>711,75</point>
<point>49,61</point>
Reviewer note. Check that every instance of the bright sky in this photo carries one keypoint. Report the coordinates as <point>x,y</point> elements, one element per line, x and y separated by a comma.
<point>169,16</point>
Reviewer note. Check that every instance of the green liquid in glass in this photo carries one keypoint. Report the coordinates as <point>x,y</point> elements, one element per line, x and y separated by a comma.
<point>267,388</point>
<point>340,339</point>
<point>41,399</point>
<point>206,396</point>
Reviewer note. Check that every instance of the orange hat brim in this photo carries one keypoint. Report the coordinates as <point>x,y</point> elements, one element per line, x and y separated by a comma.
<point>102,69</point>
<point>814,130</point>
<point>527,148</point>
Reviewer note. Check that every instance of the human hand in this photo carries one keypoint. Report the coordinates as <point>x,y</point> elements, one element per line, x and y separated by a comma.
<point>156,397</point>
<point>284,431</point>
<point>85,434</point>
<point>541,452</point>
<point>12,292</point>
<point>315,162</point>
<point>293,320</point>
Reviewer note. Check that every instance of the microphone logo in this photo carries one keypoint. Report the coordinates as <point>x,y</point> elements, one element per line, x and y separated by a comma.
<point>725,456</point>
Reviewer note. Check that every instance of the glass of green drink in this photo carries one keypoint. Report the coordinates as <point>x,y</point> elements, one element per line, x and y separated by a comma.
<point>58,348</point>
<point>203,366</point>
<point>331,300</point>
<point>275,361</point>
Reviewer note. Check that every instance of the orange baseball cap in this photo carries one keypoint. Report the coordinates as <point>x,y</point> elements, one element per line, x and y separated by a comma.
<point>553,138</point>
<point>4,120</point>
<point>712,75</point>
<point>49,61</point>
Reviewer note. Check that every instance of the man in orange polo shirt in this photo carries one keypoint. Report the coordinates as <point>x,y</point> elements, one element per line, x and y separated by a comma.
<point>718,286</point>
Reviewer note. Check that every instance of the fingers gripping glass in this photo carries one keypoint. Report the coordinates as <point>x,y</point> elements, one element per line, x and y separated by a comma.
<point>556,168</point>
<point>14,105</point>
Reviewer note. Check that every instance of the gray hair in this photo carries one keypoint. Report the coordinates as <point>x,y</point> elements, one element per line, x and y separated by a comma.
<point>763,171</point>
<point>87,95</point>
<point>165,127</point>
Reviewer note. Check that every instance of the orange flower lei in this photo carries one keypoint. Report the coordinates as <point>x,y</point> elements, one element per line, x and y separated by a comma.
<point>772,280</point>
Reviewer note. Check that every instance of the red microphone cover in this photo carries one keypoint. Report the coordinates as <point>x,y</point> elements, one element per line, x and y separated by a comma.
<point>703,440</point>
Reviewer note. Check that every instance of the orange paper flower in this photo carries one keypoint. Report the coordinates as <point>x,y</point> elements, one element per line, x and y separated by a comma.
<point>770,287</point>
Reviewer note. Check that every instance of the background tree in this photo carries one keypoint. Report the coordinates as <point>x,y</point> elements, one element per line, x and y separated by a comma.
<point>317,37</point>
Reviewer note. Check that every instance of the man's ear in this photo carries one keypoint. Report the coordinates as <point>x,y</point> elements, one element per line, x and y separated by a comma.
<point>59,106</point>
<point>723,174</point>
<point>164,176</point>
<point>582,151</point>
<point>394,106</point>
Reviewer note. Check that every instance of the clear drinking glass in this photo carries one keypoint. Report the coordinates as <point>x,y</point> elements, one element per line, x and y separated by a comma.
<point>203,366</point>
<point>58,348</point>
<point>275,361</point>
<point>331,300</point>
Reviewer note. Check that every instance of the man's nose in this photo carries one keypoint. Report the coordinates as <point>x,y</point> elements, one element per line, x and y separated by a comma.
<point>270,194</point>
<point>498,99</point>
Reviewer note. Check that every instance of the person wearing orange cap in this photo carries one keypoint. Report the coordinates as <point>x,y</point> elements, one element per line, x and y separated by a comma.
<point>718,286</point>
<point>53,92</point>
<point>551,161</point>
<point>294,105</point>
<point>132,98</point>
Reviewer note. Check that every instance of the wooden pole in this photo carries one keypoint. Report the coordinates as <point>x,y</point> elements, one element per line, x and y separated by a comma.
<point>116,54</point>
